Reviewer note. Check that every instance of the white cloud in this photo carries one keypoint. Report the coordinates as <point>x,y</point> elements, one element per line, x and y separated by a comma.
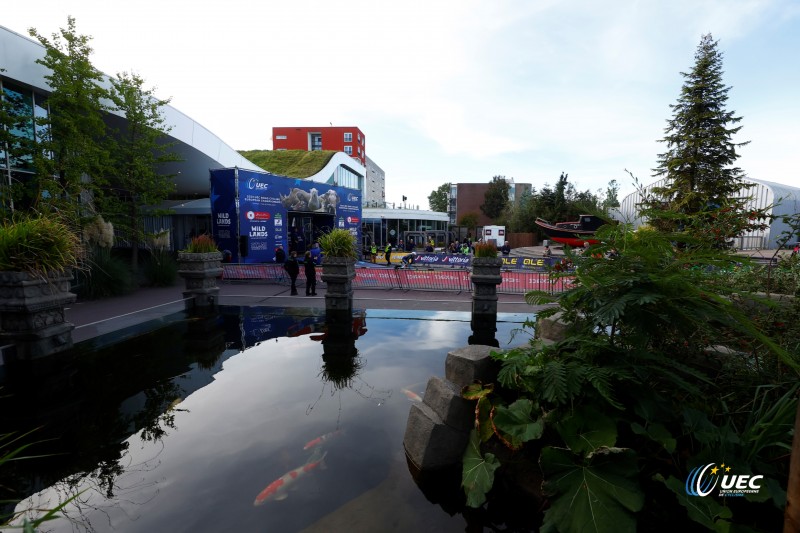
<point>454,90</point>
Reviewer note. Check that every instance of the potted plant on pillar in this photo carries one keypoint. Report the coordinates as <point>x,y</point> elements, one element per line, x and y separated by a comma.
<point>37,256</point>
<point>338,269</point>
<point>200,264</point>
<point>485,277</point>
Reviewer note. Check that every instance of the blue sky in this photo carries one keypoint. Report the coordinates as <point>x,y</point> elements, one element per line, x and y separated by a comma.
<point>457,91</point>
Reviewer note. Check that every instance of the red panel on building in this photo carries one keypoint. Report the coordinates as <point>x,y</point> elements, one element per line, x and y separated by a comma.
<point>348,139</point>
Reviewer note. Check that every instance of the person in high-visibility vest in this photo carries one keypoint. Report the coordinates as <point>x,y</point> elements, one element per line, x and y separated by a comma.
<point>374,252</point>
<point>388,253</point>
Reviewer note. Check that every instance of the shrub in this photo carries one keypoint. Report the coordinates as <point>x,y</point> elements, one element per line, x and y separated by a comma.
<point>201,244</point>
<point>485,249</point>
<point>104,276</point>
<point>161,270</point>
<point>660,372</point>
<point>338,243</point>
<point>38,246</point>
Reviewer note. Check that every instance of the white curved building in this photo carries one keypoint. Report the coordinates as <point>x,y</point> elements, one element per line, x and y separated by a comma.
<point>779,200</point>
<point>199,148</point>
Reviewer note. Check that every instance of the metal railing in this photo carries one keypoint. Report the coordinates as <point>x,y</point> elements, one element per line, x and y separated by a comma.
<point>421,279</point>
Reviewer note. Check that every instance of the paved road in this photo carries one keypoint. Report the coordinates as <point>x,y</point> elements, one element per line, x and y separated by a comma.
<point>92,318</point>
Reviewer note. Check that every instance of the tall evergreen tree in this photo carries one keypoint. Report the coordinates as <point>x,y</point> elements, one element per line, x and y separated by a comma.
<point>698,163</point>
<point>140,148</point>
<point>438,199</point>
<point>71,159</point>
<point>496,198</point>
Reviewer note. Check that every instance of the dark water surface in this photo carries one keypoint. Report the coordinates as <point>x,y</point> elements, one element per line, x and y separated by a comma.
<point>179,429</point>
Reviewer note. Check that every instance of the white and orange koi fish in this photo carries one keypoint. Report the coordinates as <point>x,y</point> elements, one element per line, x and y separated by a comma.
<point>279,489</point>
<point>411,395</point>
<point>321,439</point>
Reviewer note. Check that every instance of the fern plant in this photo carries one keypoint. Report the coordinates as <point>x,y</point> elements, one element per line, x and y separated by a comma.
<point>648,384</point>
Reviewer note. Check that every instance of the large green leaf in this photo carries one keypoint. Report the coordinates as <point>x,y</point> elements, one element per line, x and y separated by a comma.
<point>515,424</point>
<point>599,494</point>
<point>477,390</point>
<point>586,430</point>
<point>657,433</point>
<point>477,475</point>
<point>703,510</point>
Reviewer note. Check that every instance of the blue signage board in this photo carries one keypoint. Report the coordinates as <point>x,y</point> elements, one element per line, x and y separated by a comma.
<point>224,219</point>
<point>272,211</point>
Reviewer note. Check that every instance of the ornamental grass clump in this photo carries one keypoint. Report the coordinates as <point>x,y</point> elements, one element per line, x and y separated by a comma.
<point>202,244</point>
<point>338,243</point>
<point>485,249</point>
<point>38,246</point>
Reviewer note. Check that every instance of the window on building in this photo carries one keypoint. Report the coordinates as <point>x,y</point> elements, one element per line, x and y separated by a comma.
<point>348,137</point>
<point>348,150</point>
<point>280,137</point>
<point>315,141</point>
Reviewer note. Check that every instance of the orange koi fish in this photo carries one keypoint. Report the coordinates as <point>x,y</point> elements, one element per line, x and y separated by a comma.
<point>319,440</point>
<point>411,395</point>
<point>279,489</point>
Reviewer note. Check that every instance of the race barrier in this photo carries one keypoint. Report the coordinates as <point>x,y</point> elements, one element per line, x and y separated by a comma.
<point>406,279</point>
<point>539,264</point>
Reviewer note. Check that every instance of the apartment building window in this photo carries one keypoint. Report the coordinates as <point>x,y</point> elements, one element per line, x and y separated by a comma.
<point>348,137</point>
<point>280,137</point>
<point>315,141</point>
<point>348,150</point>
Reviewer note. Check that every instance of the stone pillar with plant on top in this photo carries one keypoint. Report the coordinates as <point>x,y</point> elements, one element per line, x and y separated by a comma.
<point>200,264</point>
<point>36,260</point>
<point>485,279</point>
<point>338,271</point>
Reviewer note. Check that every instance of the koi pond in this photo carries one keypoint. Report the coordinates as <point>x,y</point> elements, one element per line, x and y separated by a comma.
<point>247,420</point>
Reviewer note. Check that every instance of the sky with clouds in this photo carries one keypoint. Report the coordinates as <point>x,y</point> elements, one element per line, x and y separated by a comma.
<point>457,91</point>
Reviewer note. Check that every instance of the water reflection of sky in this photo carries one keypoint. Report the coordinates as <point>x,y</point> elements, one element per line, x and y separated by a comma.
<point>247,428</point>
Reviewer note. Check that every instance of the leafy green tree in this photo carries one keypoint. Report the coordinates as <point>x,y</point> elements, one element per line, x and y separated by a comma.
<point>469,220</point>
<point>140,148</point>
<point>438,200</point>
<point>72,157</point>
<point>611,199</point>
<point>496,198</point>
<point>701,179</point>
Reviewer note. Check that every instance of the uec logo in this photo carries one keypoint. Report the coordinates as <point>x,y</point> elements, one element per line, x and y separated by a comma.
<point>253,183</point>
<point>702,481</point>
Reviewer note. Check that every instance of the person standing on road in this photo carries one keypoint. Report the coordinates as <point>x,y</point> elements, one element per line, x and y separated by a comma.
<point>388,254</point>
<point>280,255</point>
<point>311,275</point>
<point>293,269</point>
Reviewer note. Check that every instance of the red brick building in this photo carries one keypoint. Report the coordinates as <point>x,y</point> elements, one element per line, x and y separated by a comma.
<point>468,198</point>
<point>349,140</point>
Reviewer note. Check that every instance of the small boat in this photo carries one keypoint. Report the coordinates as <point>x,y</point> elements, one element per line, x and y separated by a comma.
<point>572,233</point>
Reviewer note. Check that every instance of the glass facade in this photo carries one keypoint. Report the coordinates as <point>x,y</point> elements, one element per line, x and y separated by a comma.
<point>383,230</point>
<point>25,108</point>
